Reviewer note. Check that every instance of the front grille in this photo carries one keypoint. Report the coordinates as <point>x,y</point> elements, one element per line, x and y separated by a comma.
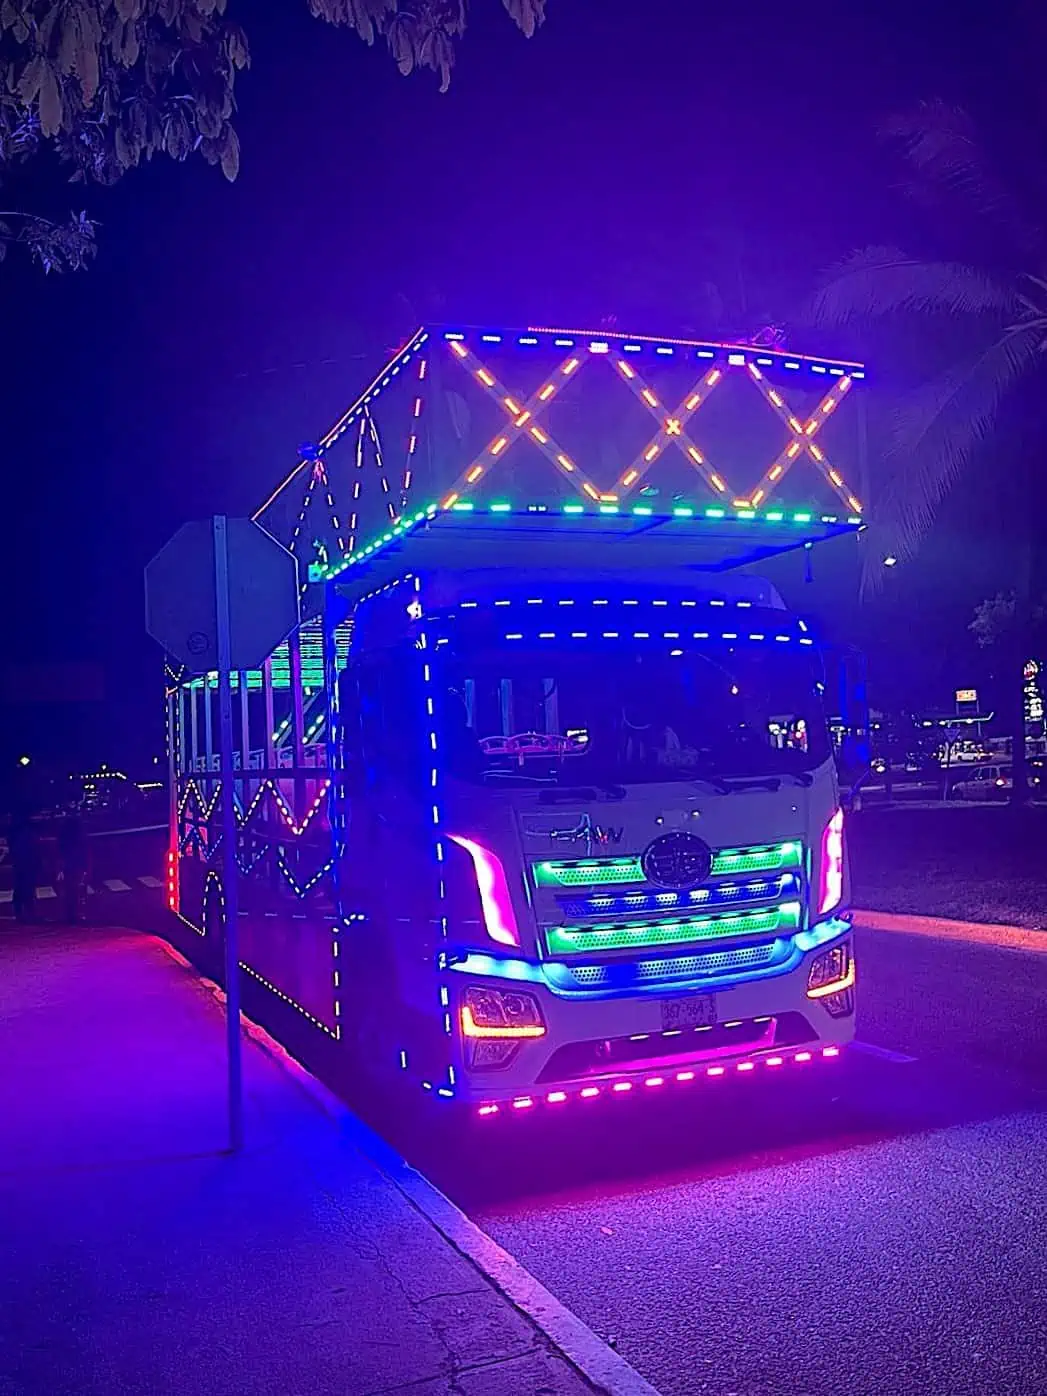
<point>745,892</point>
<point>672,967</point>
<point>604,872</point>
<point>585,939</point>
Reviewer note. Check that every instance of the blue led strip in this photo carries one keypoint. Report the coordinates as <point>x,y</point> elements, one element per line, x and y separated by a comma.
<point>429,689</point>
<point>638,903</point>
<point>666,348</point>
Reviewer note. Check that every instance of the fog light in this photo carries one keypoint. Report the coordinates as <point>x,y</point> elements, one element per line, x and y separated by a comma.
<point>831,972</point>
<point>839,1005</point>
<point>485,1055</point>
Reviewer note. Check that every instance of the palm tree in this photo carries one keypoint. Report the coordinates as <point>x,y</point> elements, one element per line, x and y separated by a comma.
<point>978,325</point>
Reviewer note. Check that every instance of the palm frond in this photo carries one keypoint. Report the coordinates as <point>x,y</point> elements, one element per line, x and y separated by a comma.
<point>882,281</point>
<point>946,159</point>
<point>936,432</point>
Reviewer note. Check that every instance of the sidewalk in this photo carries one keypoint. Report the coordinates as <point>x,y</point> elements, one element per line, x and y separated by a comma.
<point>138,1258</point>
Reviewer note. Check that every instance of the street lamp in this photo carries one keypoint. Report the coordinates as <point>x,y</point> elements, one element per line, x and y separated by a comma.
<point>890,561</point>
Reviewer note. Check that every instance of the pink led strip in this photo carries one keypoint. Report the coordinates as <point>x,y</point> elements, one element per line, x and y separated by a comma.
<point>627,1085</point>
<point>802,436</point>
<point>412,440</point>
<point>267,787</point>
<point>314,480</point>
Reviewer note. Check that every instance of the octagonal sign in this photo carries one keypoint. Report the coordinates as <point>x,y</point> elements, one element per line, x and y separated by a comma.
<point>181,594</point>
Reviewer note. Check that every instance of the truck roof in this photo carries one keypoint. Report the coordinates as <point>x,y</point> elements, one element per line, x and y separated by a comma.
<point>526,447</point>
<point>677,548</point>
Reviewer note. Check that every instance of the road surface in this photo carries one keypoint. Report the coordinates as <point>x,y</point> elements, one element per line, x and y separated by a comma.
<point>893,1242</point>
<point>784,1244</point>
<point>125,885</point>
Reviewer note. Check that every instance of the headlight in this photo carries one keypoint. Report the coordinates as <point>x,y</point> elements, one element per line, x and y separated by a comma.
<point>501,1013</point>
<point>831,978</point>
<point>495,1022</point>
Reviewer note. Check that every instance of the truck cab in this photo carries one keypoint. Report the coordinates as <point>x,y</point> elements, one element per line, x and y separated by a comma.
<point>594,832</point>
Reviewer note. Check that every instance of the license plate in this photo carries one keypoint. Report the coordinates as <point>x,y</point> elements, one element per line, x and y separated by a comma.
<point>695,1011</point>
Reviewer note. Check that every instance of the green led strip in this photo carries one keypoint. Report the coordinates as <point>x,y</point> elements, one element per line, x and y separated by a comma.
<point>766,859</point>
<point>608,872</point>
<point>589,872</point>
<point>577,940</point>
<point>679,511</point>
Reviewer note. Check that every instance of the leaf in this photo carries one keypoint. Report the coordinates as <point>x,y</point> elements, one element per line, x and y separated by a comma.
<point>400,38</point>
<point>528,14</point>
<point>50,102</point>
<point>231,155</point>
<point>881,281</point>
<point>237,47</point>
<point>940,144</point>
<point>938,429</point>
<point>87,60</point>
<point>31,79</point>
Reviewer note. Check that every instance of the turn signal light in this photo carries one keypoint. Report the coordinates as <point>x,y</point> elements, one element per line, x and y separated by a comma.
<point>831,972</point>
<point>496,1013</point>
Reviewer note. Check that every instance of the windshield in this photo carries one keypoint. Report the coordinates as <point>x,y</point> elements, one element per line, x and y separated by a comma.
<point>617,717</point>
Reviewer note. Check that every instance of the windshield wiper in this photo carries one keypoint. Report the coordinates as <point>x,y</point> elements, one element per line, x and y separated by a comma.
<point>561,794</point>
<point>769,782</point>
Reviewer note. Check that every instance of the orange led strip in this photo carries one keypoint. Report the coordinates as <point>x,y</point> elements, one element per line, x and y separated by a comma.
<point>671,429</point>
<point>801,439</point>
<point>523,421</point>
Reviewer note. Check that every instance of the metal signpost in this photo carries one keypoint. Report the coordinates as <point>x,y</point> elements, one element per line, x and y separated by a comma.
<point>220,597</point>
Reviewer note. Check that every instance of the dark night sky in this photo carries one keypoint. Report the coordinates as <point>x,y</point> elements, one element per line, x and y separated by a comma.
<point>610,165</point>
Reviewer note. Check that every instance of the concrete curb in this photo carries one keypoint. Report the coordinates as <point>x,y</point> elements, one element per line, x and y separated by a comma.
<point>975,932</point>
<point>599,1364</point>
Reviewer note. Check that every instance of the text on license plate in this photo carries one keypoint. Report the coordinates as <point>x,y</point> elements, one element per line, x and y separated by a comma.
<point>695,1011</point>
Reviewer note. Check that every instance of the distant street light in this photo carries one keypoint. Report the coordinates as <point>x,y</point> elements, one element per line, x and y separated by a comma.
<point>23,760</point>
<point>890,562</point>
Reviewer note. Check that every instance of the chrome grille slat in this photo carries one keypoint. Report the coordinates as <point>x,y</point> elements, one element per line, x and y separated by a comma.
<point>675,967</point>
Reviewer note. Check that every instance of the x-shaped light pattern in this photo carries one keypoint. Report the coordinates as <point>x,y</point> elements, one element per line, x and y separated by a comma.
<point>523,422</point>
<point>802,436</point>
<point>672,428</point>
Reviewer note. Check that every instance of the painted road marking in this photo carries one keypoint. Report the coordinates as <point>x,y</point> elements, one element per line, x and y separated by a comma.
<point>114,884</point>
<point>149,881</point>
<point>976,932</point>
<point>884,1054</point>
<point>115,833</point>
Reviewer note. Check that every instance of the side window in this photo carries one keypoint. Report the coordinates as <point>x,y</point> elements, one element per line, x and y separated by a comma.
<point>392,725</point>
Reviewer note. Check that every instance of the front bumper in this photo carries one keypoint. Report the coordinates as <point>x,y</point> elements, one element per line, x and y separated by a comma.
<point>613,1043</point>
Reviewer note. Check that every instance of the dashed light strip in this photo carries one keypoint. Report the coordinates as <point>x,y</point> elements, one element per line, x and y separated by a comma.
<point>625,1085</point>
<point>698,515</point>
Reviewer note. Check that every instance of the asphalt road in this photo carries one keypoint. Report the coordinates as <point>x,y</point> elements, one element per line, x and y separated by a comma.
<point>787,1245</point>
<point>879,1230</point>
<point>125,880</point>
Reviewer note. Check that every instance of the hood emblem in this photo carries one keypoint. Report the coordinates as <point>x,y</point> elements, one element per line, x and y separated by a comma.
<point>592,835</point>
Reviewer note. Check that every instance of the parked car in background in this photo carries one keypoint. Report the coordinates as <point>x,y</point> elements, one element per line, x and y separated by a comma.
<point>995,781</point>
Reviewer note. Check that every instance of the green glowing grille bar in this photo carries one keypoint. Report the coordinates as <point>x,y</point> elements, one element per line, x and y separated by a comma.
<point>577,940</point>
<point>747,860</point>
<point>608,872</point>
<point>589,872</point>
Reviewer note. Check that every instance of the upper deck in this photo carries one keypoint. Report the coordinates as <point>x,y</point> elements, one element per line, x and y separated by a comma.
<point>542,440</point>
